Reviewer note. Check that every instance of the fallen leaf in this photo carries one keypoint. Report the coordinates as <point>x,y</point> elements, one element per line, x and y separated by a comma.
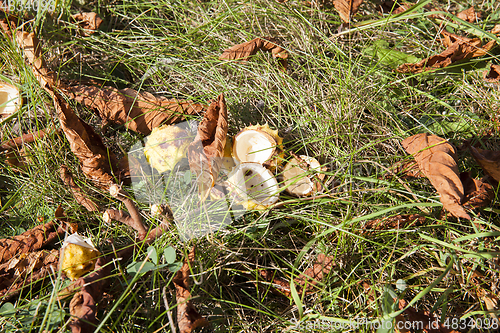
<point>461,49</point>
<point>316,273</point>
<point>206,151</point>
<point>488,160</point>
<point>369,291</point>
<point>424,320</point>
<point>437,159</point>
<point>97,162</point>
<point>493,75</point>
<point>395,8</point>
<point>405,170</point>
<point>477,194</point>
<point>469,15</point>
<point>187,317</point>
<point>496,29</point>
<point>32,240</point>
<point>395,222</point>
<point>245,50</point>
<point>88,21</point>
<point>81,197</point>
<point>139,112</point>
<point>25,270</point>
<point>347,8</point>
<point>9,23</point>
<point>30,44</point>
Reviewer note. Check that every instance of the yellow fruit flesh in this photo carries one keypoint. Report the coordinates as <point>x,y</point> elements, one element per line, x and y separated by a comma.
<point>78,260</point>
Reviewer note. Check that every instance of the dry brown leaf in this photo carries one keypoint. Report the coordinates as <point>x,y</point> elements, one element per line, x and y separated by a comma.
<point>245,50</point>
<point>488,160</point>
<point>395,8</point>
<point>30,44</point>
<point>477,194</point>
<point>32,240</point>
<point>462,49</point>
<point>81,197</point>
<point>493,75</point>
<point>395,222</point>
<point>88,21</point>
<point>496,29</point>
<point>25,270</point>
<point>320,268</point>
<point>206,151</point>
<point>347,8</point>
<point>97,162</point>
<point>437,159</point>
<point>139,112</point>
<point>430,323</point>
<point>469,15</point>
<point>187,317</point>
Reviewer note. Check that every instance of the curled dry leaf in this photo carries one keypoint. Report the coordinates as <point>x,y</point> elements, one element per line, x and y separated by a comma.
<point>34,239</point>
<point>320,268</point>
<point>493,75</point>
<point>347,8</point>
<point>395,8</point>
<point>139,112</point>
<point>496,29</point>
<point>88,21</point>
<point>488,160</point>
<point>97,162</point>
<point>80,196</point>
<point>33,53</point>
<point>187,317</point>
<point>25,270</point>
<point>437,159</point>
<point>206,151</point>
<point>477,194</point>
<point>469,15</point>
<point>461,49</point>
<point>245,50</point>
<point>395,222</point>
<point>417,318</point>
<point>88,291</point>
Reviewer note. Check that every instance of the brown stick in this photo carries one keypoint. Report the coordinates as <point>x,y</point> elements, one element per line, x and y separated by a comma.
<point>20,141</point>
<point>136,219</point>
<point>80,196</point>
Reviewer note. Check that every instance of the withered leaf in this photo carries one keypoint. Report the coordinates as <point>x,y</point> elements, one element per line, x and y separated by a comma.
<point>97,162</point>
<point>33,52</point>
<point>347,8</point>
<point>89,290</point>
<point>469,15</point>
<point>139,112</point>
<point>26,269</point>
<point>88,21</point>
<point>187,317</point>
<point>488,160</point>
<point>320,268</point>
<point>395,8</point>
<point>437,159</point>
<point>395,222</point>
<point>206,151</point>
<point>496,29</point>
<point>493,75</point>
<point>81,197</point>
<point>477,194</point>
<point>32,240</point>
<point>245,50</point>
<point>462,49</point>
<point>417,318</point>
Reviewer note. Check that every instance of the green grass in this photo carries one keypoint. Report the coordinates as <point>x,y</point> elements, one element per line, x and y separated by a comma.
<point>339,101</point>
